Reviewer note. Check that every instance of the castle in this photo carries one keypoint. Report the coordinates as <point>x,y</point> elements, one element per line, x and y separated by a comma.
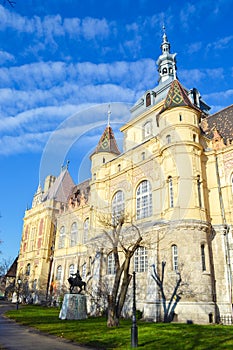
<point>174,179</point>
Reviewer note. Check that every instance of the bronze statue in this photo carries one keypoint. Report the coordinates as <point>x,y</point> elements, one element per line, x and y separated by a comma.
<point>76,281</point>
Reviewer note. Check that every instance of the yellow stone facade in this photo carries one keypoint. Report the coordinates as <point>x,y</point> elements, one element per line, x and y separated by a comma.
<point>175,180</point>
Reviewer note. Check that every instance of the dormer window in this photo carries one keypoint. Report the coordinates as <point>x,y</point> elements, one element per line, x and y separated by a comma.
<point>148,99</point>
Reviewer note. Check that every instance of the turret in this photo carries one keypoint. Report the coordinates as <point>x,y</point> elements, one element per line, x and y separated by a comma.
<point>105,151</point>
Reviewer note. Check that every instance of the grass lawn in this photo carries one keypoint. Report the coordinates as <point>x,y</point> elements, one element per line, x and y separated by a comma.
<point>94,332</point>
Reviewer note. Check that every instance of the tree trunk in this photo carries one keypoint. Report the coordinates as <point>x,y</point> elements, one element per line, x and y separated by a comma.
<point>113,319</point>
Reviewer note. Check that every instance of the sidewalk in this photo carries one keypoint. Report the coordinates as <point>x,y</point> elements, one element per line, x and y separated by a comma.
<point>16,337</point>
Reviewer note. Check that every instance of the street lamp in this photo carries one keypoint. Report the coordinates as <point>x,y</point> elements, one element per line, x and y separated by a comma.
<point>134,328</point>
<point>17,302</point>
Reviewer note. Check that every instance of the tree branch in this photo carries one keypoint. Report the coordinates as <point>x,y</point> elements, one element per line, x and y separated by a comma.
<point>10,2</point>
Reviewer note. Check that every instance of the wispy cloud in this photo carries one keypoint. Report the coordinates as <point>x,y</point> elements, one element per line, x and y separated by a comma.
<point>221,43</point>
<point>52,91</point>
<point>196,76</point>
<point>6,57</point>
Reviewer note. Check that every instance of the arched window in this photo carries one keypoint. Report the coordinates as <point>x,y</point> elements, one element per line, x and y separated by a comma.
<point>147,129</point>
<point>148,99</point>
<point>144,200</point>
<point>28,269</point>
<point>170,189</point>
<point>164,71</point>
<point>73,234</point>
<point>111,264</point>
<point>174,257</point>
<point>118,205</point>
<point>199,191</point>
<point>203,264</point>
<point>61,243</point>
<point>71,269</point>
<point>85,230</point>
<point>59,271</point>
<point>141,260</point>
<point>143,155</point>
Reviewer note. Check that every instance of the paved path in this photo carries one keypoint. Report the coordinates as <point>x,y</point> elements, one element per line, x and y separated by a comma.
<point>16,337</point>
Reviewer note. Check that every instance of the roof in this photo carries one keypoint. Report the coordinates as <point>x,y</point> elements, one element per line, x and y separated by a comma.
<point>176,97</point>
<point>12,270</point>
<point>221,121</point>
<point>61,188</point>
<point>107,142</point>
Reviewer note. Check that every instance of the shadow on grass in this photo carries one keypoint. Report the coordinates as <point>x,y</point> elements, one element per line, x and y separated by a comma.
<point>94,332</point>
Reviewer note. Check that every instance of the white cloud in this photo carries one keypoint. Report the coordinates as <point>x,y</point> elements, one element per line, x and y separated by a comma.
<point>6,57</point>
<point>196,76</point>
<point>54,25</point>
<point>195,47</point>
<point>220,44</point>
<point>186,12</point>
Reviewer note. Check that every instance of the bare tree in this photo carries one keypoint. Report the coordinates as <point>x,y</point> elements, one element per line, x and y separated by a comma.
<point>10,2</point>
<point>122,242</point>
<point>5,264</point>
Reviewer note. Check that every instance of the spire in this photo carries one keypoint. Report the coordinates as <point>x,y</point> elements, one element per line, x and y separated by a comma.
<point>109,114</point>
<point>107,142</point>
<point>166,61</point>
<point>165,46</point>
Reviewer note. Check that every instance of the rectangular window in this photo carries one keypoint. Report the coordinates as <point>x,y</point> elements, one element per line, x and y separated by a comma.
<point>141,260</point>
<point>203,257</point>
<point>175,257</point>
<point>111,265</point>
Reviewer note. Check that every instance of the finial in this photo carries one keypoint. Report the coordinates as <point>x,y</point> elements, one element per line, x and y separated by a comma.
<point>164,34</point>
<point>164,29</point>
<point>67,164</point>
<point>109,114</point>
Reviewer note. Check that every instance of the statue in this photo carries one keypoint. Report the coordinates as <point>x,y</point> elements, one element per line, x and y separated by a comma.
<point>76,281</point>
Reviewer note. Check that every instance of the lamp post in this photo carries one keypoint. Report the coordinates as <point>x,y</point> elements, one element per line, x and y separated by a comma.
<point>134,328</point>
<point>17,302</point>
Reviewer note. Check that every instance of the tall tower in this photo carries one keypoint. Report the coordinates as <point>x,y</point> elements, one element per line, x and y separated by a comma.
<point>166,62</point>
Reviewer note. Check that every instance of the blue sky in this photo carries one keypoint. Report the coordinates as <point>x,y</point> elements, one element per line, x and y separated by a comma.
<point>61,64</point>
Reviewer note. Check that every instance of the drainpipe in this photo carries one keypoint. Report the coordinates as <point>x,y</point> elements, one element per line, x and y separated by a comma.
<point>226,230</point>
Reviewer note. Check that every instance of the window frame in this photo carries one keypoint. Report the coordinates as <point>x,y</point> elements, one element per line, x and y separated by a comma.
<point>203,257</point>
<point>143,200</point>
<point>141,260</point>
<point>74,234</point>
<point>118,204</point>
<point>59,273</point>
<point>174,257</point>
<point>62,236</point>
<point>111,270</point>
<point>170,192</point>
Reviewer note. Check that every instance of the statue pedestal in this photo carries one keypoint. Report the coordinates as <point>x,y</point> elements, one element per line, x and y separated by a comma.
<point>74,307</point>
